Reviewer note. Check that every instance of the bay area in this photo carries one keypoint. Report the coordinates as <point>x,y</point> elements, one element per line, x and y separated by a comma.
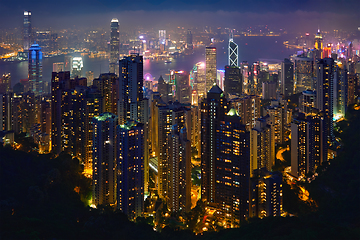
<point>251,49</point>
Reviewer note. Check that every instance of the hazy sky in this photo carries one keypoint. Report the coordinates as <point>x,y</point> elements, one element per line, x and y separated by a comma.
<point>290,14</point>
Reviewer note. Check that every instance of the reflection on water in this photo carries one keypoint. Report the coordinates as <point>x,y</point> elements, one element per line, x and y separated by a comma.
<point>250,49</point>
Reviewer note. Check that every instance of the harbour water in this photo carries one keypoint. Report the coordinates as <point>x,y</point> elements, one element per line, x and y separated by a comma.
<point>251,49</point>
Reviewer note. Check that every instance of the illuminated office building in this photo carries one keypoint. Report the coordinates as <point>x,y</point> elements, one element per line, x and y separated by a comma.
<point>169,115</point>
<point>327,51</point>
<point>43,38</point>
<point>104,159</point>
<point>277,113</point>
<point>114,46</point>
<point>89,77</point>
<point>130,168</point>
<point>162,37</point>
<point>233,81</point>
<point>304,73</point>
<point>76,66</point>
<point>220,78</point>
<point>266,194</point>
<point>27,30</point>
<point>307,101</point>
<point>245,72</point>
<point>164,90</point>
<point>269,90</point>
<point>58,67</point>
<point>5,83</point>
<point>35,70</point>
<point>107,84</point>
<point>179,160</point>
<point>199,79</point>
<point>340,91</point>
<point>213,110</point>
<point>155,102</point>
<point>182,86</point>
<point>210,66</point>
<point>90,105</point>
<point>45,117</point>
<point>17,112</point>
<point>262,145</point>
<point>64,112</point>
<point>318,46</point>
<point>352,80</point>
<point>189,39</point>
<point>308,143</point>
<point>130,92</point>
<point>233,60</point>
<point>29,110</point>
<point>325,70</point>
<point>248,108</point>
<point>287,78</point>
<point>196,128</point>
<point>5,112</point>
<point>225,158</point>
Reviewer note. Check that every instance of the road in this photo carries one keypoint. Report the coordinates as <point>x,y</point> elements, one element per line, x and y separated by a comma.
<point>280,152</point>
<point>195,195</point>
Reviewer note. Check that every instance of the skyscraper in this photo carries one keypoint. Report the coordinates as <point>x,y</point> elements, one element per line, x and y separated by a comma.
<point>262,145</point>
<point>27,30</point>
<point>318,45</point>
<point>5,83</point>
<point>325,92</point>
<point>130,88</point>
<point>164,90</point>
<point>182,86</point>
<point>162,37</point>
<point>225,158</point>
<point>114,46</point>
<point>189,39</point>
<point>233,60</point>
<point>287,77</point>
<point>35,69</point>
<point>104,159</point>
<point>340,87</point>
<point>210,66</point>
<point>169,115</point>
<point>248,108</point>
<point>308,143</point>
<point>213,110</point>
<point>90,105</point>
<point>277,114</point>
<point>233,80</point>
<point>303,73</point>
<point>200,79</point>
<point>130,168</point>
<point>76,66</point>
<point>179,159</point>
<point>307,101</point>
<point>266,194</point>
<point>107,84</point>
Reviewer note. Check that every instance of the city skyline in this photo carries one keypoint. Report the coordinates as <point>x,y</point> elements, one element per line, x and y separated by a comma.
<point>191,127</point>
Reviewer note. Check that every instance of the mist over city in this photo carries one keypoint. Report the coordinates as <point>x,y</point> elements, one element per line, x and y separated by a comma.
<point>185,119</point>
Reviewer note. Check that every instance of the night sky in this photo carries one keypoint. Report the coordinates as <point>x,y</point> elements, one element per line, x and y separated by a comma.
<point>289,13</point>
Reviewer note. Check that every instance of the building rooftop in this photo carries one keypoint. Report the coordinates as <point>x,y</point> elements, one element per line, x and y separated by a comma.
<point>215,89</point>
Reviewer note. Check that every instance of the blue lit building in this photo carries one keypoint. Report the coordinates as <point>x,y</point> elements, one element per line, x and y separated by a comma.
<point>35,69</point>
